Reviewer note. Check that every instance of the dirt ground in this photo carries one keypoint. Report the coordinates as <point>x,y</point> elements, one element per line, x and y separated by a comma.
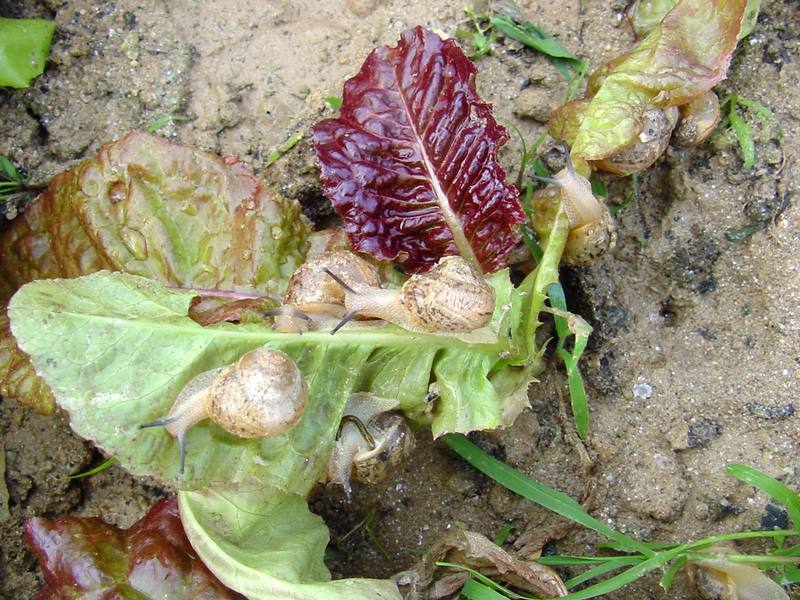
<point>695,359</point>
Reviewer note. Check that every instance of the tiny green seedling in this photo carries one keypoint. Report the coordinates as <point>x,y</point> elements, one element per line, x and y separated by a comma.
<point>730,108</point>
<point>13,184</point>
<point>366,525</point>
<point>635,557</point>
<point>482,34</point>
<point>162,122</point>
<point>335,102</point>
<point>283,148</point>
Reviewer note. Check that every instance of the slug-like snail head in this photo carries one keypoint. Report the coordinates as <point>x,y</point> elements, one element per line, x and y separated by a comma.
<point>372,441</point>
<point>312,296</point>
<point>592,229</point>
<point>262,394</point>
<point>451,297</point>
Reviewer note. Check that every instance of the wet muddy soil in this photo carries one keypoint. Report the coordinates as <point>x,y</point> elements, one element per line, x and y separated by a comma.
<point>695,359</point>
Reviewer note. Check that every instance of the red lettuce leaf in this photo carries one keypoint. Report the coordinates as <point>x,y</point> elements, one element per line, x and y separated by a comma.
<point>86,557</point>
<point>411,162</point>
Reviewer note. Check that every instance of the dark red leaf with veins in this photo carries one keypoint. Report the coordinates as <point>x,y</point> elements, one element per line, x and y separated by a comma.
<point>87,558</point>
<point>411,163</point>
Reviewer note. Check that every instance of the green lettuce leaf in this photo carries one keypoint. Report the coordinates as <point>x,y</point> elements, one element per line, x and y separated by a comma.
<point>116,350</point>
<point>24,46</point>
<point>684,56</point>
<point>268,545</point>
<point>149,207</point>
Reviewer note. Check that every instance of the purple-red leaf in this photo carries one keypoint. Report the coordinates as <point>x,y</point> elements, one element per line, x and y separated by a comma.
<point>411,163</point>
<point>88,558</point>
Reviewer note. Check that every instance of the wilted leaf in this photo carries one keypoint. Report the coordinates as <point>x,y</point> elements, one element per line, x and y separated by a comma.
<point>684,56</point>
<point>87,558</point>
<point>268,545</point>
<point>470,549</point>
<point>152,208</point>
<point>24,46</point>
<point>410,164</point>
<point>116,350</point>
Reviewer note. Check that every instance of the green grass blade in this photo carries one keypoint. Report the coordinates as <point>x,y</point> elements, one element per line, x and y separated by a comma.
<point>542,43</point>
<point>474,590</point>
<point>775,489</point>
<point>9,172</point>
<point>577,391</point>
<point>166,120</point>
<point>534,491</point>
<point>567,561</point>
<point>503,534</point>
<point>283,148</point>
<point>94,471</point>
<point>628,576</point>
<point>611,564</point>
<point>669,575</point>
<point>483,579</point>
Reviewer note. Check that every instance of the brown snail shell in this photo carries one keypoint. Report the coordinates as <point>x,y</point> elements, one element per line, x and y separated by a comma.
<point>697,120</point>
<point>394,441</point>
<point>452,296</point>
<point>261,394</point>
<point>657,126</point>
<point>371,442</point>
<point>314,293</point>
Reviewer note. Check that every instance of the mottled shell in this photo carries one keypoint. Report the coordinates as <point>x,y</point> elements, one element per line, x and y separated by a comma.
<point>587,243</point>
<point>698,119</point>
<point>311,288</point>
<point>657,126</point>
<point>261,394</point>
<point>452,296</point>
<point>710,584</point>
<point>394,443</point>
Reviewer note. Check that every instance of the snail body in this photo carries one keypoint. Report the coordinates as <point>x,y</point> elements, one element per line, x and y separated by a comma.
<point>451,297</point>
<point>372,441</point>
<point>262,394</point>
<point>592,229</point>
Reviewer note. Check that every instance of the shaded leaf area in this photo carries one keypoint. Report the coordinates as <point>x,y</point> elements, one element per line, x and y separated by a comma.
<point>88,558</point>
<point>684,56</point>
<point>117,349</point>
<point>149,207</point>
<point>24,46</point>
<point>410,164</point>
<point>268,545</point>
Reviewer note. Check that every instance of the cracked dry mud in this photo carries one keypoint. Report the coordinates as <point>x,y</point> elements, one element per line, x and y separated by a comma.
<point>695,359</point>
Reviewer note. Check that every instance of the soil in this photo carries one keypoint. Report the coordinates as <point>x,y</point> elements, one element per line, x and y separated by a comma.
<point>694,362</point>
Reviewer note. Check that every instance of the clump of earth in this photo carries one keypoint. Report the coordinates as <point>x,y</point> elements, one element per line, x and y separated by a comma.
<point>694,363</point>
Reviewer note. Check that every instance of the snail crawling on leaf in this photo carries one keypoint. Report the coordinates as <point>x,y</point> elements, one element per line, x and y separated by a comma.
<point>592,230</point>
<point>312,298</point>
<point>450,298</point>
<point>372,441</point>
<point>262,394</point>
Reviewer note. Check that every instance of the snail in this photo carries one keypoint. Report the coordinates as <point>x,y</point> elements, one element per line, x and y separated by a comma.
<point>717,578</point>
<point>312,296</point>
<point>261,394</point>
<point>451,297</point>
<point>372,441</point>
<point>592,230</point>
<point>657,126</point>
<point>697,121</point>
